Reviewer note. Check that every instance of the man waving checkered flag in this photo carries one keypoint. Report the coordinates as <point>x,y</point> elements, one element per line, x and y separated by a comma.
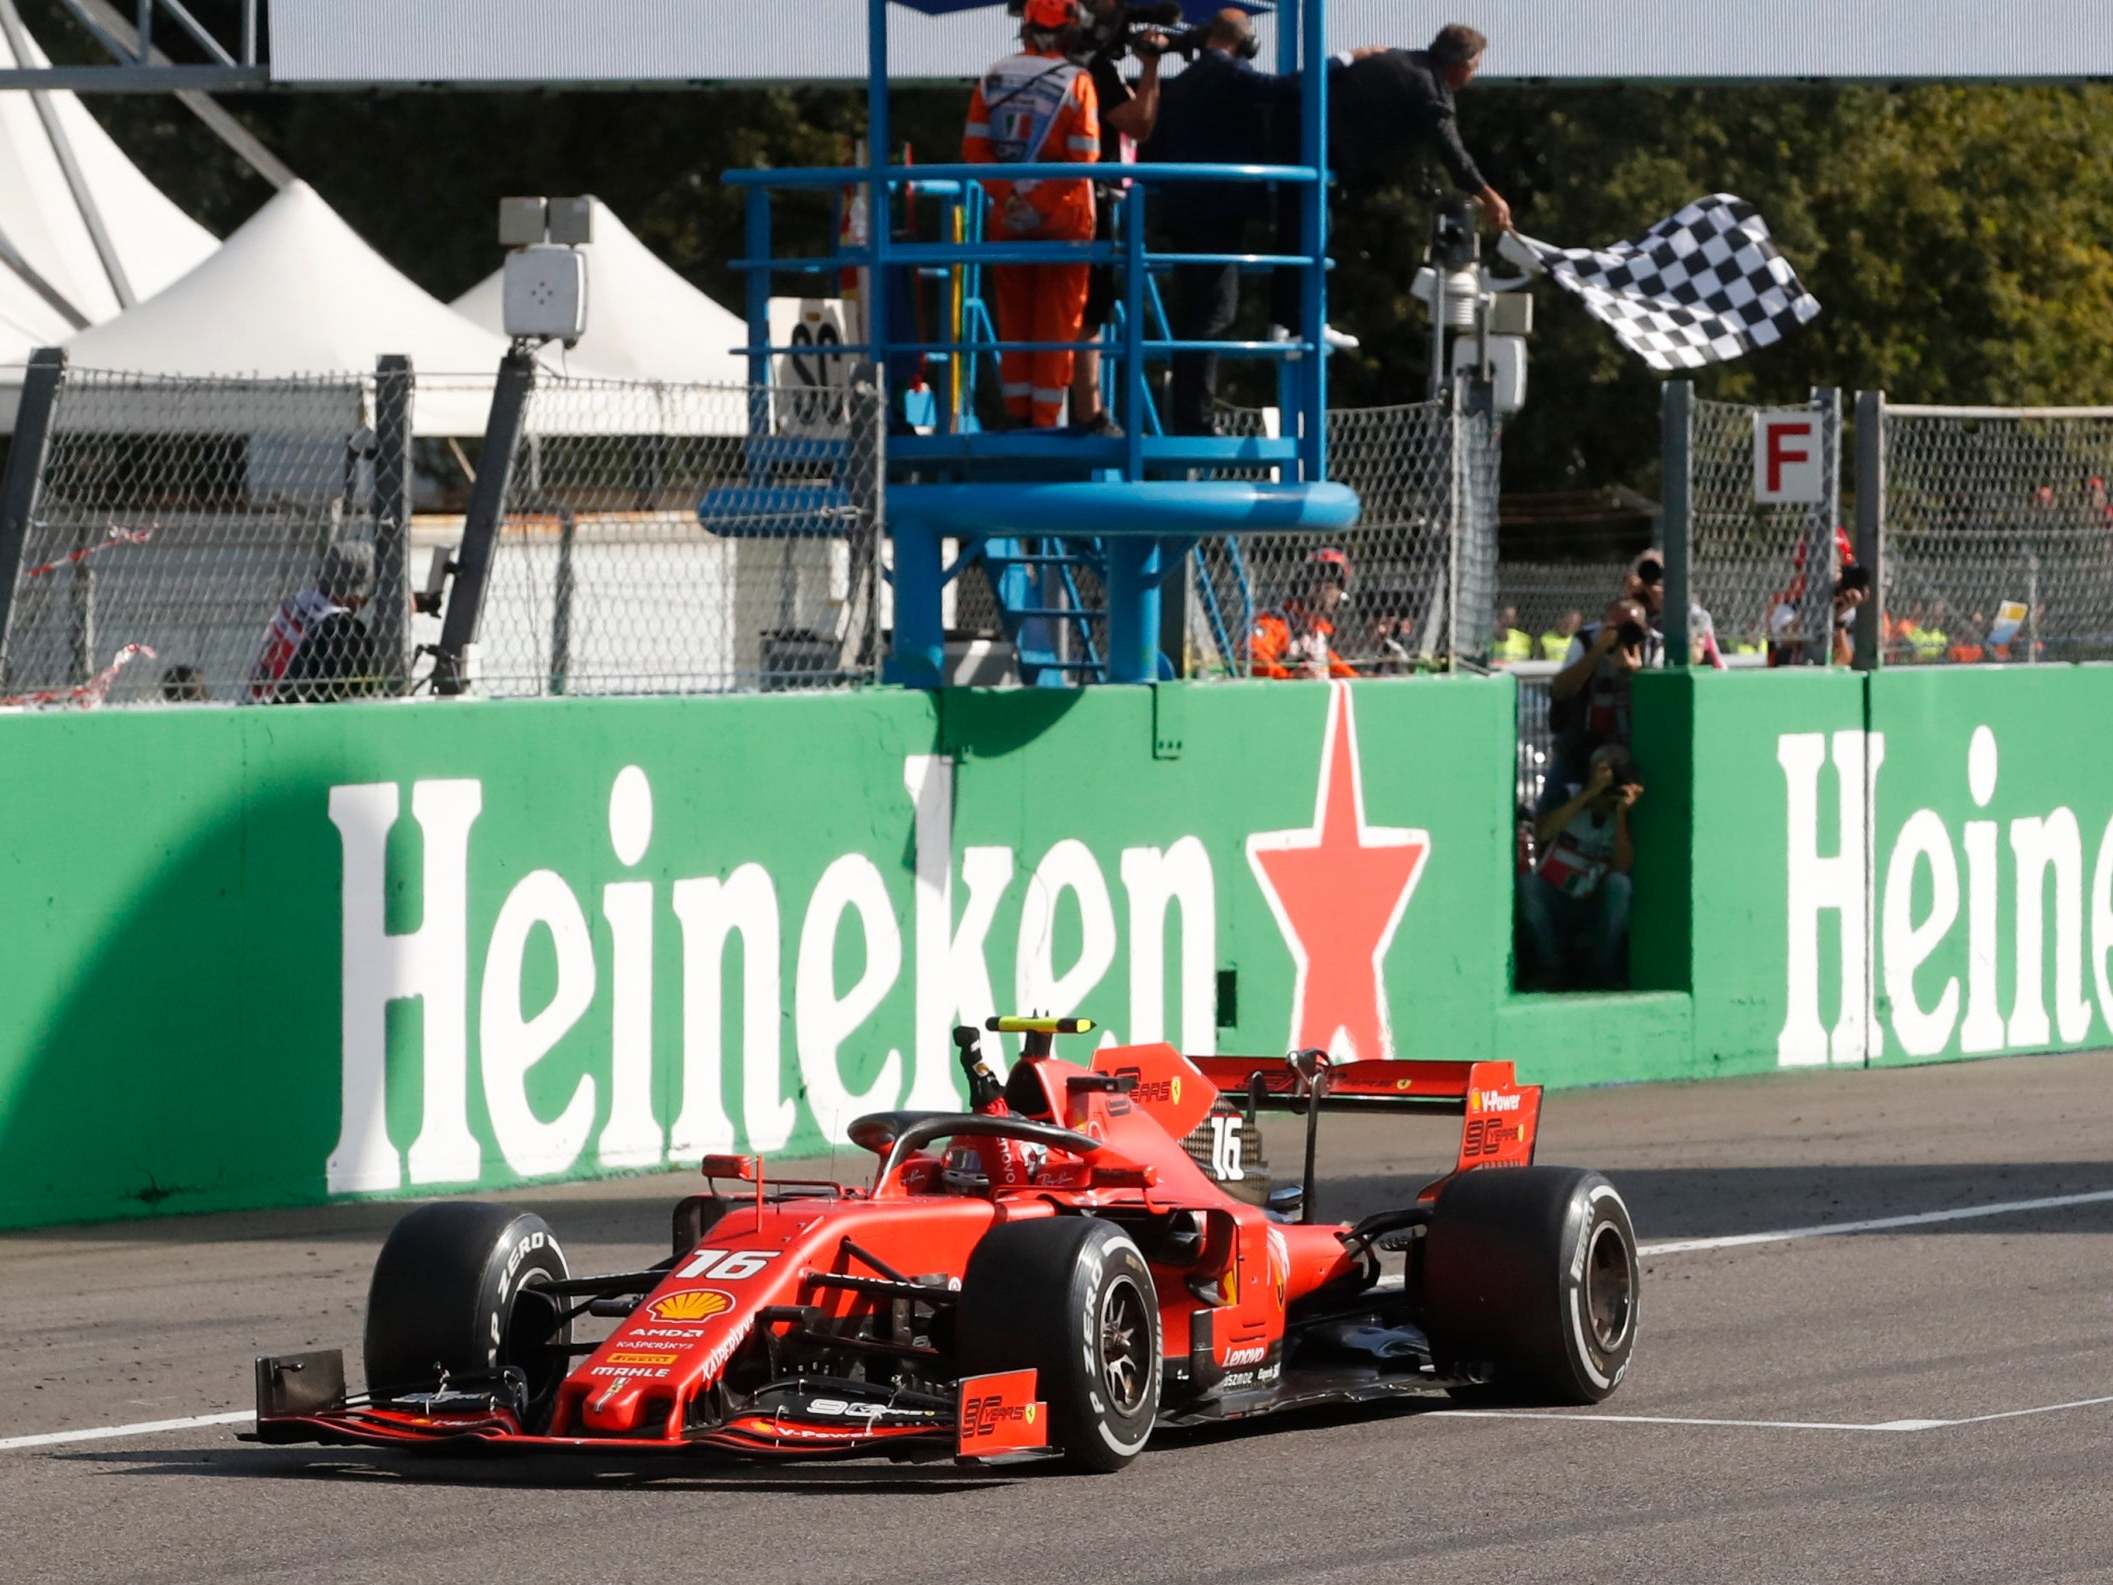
<point>1703,286</point>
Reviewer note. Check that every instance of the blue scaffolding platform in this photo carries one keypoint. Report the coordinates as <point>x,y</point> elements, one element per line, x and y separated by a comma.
<point>1037,507</point>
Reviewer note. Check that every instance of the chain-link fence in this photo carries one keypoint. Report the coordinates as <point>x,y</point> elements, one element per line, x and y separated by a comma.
<point>180,533</point>
<point>1422,558</point>
<point>649,545</point>
<point>1998,535</point>
<point>1764,573</point>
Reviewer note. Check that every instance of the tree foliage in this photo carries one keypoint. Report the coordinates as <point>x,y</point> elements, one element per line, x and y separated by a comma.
<point>1960,239</point>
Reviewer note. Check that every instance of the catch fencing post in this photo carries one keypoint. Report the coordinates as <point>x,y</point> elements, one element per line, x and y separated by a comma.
<point>1824,552</point>
<point>25,469</point>
<point>1871,526</point>
<point>394,389</point>
<point>480,530</point>
<point>1677,527</point>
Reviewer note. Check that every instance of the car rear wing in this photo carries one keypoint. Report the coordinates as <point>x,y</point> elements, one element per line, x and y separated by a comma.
<point>1502,1116</point>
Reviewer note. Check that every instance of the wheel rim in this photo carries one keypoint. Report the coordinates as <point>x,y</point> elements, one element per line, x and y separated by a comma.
<point>1125,1343</point>
<point>1610,1288</point>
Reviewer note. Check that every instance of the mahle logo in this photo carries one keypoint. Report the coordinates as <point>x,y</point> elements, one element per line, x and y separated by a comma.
<point>1897,917</point>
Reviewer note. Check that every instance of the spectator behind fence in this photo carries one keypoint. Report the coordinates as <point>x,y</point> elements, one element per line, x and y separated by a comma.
<point>1556,641</point>
<point>317,649</point>
<point>1574,905</point>
<point>183,685</point>
<point>1299,639</point>
<point>1511,644</point>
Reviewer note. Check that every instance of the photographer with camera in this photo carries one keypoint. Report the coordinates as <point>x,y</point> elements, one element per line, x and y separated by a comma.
<point>1129,111</point>
<point>1574,904</point>
<point>1589,698</point>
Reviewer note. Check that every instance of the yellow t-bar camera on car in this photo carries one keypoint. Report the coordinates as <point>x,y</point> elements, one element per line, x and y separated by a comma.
<point>1037,1031</point>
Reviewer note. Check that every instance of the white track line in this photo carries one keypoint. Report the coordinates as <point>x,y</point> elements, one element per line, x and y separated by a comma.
<point>97,1433</point>
<point>1880,1224</point>
<point>1758,1425</point>
<point>1685,1246</point>
<point>1670,1419</point>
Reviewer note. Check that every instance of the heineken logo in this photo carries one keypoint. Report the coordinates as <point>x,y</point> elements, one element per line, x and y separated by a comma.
<point>611,1009</point>
<point>1981,935</point>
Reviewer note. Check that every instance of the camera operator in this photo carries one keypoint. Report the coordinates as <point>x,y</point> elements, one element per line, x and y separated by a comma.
<point>1216,112</point>
<point>1130,112</point>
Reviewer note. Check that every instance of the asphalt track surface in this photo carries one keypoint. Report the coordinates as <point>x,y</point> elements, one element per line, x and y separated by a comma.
<point>1800,1410</point>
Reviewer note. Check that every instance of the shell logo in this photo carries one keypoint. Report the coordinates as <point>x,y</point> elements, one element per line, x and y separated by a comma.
<point>699,1304</point>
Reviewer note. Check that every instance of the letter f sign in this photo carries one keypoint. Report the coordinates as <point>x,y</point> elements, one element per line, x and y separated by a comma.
<point>1787,457</point>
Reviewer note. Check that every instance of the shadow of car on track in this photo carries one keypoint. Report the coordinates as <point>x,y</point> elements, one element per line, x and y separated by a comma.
<point>1720,1202</point>
<point>553,1472</point>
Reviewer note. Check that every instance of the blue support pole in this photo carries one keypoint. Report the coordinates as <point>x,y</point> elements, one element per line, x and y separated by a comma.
<point>877,140</point>
<point>1134,576</point>
<point>919,656</point>
<point>1289,13</point>
<point>1133,411</point>
<point>1313,240</point>
<point>758,282</point>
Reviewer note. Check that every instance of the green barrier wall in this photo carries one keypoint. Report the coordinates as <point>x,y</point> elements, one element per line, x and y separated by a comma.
<point>1906,868</point>
<point>266,957</point>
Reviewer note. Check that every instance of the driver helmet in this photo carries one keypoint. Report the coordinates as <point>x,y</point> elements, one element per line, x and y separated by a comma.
<point>963,1172</point>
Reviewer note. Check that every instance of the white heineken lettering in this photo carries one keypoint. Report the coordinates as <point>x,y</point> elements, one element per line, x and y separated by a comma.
<point>713,912</point>
<point>631,1137</point>
<point>1068,866</point>
<point>822,1019</point>
<point>953,975</point>
<point>1983,1028</point>
<point>2044,848</point>
<point>1818,883</point>
<point>429,964</point>
<point>1963,1013</point>
<point>541,1127</point>
<point>1153,879</point>
<point>2102,924</point>
<point>512,1045</point>
<point>1908,945</point>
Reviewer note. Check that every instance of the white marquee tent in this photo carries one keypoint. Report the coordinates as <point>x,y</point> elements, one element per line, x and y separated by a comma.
<point>60,176</point>
<point>644,321</point>
<point>296,292</point>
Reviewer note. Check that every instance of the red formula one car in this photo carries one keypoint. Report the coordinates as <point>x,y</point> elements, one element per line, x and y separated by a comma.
<point>1088,1253</point>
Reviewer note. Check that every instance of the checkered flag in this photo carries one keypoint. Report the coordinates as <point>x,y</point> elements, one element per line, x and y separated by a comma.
<point>1703,286</point>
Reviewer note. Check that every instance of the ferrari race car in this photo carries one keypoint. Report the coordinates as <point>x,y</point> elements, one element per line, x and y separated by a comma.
<point>1085,1255</point>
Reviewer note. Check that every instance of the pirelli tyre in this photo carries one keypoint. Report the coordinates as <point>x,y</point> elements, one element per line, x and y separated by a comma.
<point>456,1292</point>
<point>1073,1298</point>
<point>1529,1278</point>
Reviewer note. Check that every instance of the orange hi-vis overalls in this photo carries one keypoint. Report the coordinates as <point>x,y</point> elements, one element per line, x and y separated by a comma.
<point>1037,107</point>
<point>1277,649</point>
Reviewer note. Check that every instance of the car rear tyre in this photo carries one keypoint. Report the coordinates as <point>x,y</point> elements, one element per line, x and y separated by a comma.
<point>1530,1276</point>
<point>1073,1298</point>
<point>456,1292</point>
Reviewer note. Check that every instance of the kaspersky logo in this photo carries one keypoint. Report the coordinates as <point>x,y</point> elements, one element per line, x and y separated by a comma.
<point>1338,889</point>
